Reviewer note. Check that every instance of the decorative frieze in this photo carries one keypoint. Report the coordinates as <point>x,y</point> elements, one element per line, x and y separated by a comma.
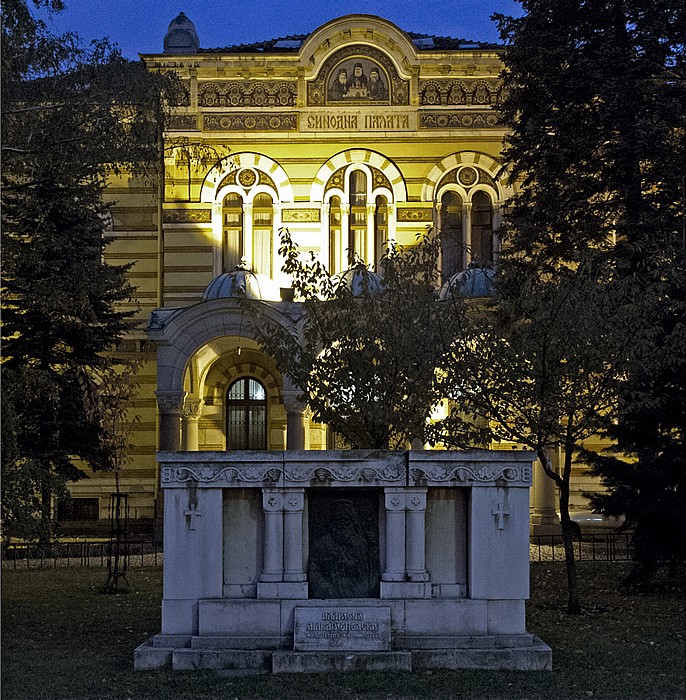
<point>452,473</point>
<point>247,94</point>
<point>415,214</point>
<point>458,120</point>
<point>300,215</point>
<point>251,122</point>
<point>187,216</point>
<point>183,122</point>
<point>459,92</point>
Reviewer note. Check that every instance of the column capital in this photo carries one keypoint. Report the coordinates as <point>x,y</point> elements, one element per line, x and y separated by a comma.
<point>294,500</point>
<point>170,402</point>
<point>272,500</point>
<point>192,408</point>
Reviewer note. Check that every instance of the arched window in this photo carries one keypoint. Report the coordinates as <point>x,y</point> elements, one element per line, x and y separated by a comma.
<point>357,240</point>
<point>482,229</point>
<point>452,243</point>
<point>380,229</point>
<point>262,234</point>
<point>334,234</point>
<point>232,232</point>
<point>246,415</point>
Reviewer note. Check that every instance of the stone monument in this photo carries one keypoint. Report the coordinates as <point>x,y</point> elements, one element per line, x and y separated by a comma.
<point>302,561</point>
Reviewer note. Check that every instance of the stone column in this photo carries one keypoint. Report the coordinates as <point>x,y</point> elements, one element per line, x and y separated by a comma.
<point>394,501</point>
<point>282,575</point>
<point>544,520</point>
<point>272,504</point>
<point>415,534</point>
<point>294,503</point>
<point>171,405</point>
<point>392,221</point>
<point>190,416</point>
<point>295,416</point>
<point>324,252</point>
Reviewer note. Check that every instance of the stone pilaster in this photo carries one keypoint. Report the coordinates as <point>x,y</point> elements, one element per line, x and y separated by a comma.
<point>171,405</point>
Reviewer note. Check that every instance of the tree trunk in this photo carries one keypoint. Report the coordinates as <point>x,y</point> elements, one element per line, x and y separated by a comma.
<point>573,600</point>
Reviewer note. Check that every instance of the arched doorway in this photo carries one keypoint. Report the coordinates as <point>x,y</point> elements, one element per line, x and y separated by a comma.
<point>246,415</point>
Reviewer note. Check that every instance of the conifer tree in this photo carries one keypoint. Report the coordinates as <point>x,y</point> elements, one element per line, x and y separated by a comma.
<point>70,115</point>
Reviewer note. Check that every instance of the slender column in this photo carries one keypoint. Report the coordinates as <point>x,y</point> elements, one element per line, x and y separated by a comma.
<point>345,236</point>
<point>247,234</point>
<point>170,404</point>
<point>467,228</point>
<point>295,416</point>
<point>415,548</point>
<point>272,504</point>
<point>325,228</point>
<point>190,416</point>
<point>395,534</point>
<point>392,228</point>
<point>370,252</point>
<point>294,502</point>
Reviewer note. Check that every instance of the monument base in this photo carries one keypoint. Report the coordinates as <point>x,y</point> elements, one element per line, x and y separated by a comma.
<point>310,636</point>
<point>484,654</point>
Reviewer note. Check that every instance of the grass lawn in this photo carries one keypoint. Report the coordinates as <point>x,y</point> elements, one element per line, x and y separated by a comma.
<point>62,639</point>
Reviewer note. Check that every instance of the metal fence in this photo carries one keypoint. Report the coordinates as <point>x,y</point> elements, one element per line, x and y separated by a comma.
<point>615,546</point>
<point>28,555</point>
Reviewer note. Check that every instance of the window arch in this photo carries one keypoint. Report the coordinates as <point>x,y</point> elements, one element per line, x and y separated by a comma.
<point>246,415</point>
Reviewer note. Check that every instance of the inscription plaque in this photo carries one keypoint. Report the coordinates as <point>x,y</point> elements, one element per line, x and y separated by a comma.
<point>344,628</point>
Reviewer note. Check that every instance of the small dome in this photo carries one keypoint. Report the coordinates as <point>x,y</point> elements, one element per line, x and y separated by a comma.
<point>356,278</point>
<point>242,283</point>
<point>472,282</point>
<point>181,36</point>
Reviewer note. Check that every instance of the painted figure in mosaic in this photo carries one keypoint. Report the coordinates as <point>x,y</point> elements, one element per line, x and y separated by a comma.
<point>339,87</point>
<point>377,90</point>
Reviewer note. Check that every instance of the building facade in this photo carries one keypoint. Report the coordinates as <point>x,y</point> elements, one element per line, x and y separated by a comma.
<point>354,135</point>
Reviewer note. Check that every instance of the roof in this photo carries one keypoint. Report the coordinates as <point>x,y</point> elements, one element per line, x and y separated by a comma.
<point>292,43</point>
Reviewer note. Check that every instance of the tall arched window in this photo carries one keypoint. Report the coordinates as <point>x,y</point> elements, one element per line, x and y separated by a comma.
<point>246,415</point>
<point>482,229</point>
<point>380,229</point>
<point>452,242</point>
<point>232,231</point>
<point>334,234</point>
<point>358,216</point>
<point>263,219</point>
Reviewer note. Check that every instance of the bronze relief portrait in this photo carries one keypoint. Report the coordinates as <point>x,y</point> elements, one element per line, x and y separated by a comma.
<point>357,80</point>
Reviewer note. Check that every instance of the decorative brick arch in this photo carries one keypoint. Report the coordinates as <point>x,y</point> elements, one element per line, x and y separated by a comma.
<point>246,160</point>
<point>478,160</point>
<point>359,155</point>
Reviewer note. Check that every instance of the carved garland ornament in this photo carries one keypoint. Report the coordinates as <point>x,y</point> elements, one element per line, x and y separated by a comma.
<point>187,216</point>
<point>466,474</point>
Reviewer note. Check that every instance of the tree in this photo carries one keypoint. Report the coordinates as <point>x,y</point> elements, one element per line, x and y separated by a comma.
<point>537,370</point>
<point>595,109</point>
<point>366,356</point>
<point>70,116</point>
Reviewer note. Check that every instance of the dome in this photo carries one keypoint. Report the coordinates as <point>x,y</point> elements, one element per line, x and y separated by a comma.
<point>242,283</point>
<point>355,279</point>
<point>181,36</point>
<point>472,282</point>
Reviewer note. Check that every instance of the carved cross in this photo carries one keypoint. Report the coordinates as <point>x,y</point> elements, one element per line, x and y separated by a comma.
<point>499,514</point>
<point>191,514</point>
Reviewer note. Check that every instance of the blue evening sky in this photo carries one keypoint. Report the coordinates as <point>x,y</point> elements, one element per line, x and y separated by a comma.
<point>139,26</point>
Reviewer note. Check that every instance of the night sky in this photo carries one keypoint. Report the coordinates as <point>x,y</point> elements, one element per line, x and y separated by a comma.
<point>139,26</point>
